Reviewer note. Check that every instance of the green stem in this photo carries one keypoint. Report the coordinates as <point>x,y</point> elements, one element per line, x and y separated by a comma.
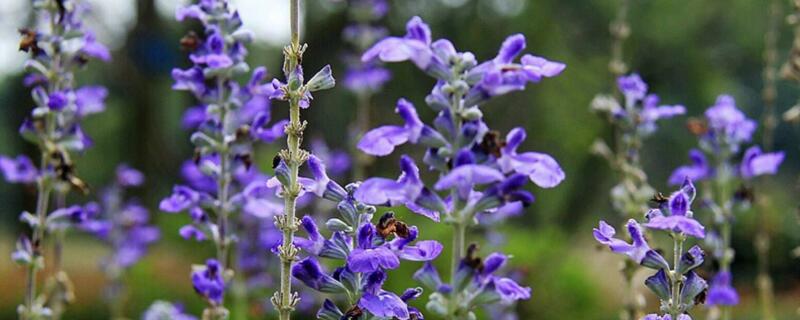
<point>675,277</point>
<point>43,198</point>
<point>293,157</point>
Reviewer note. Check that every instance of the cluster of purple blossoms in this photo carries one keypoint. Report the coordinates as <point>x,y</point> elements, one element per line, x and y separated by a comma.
<point>228,120</point>
<point>722,135</point>
<point>58,47</point>
<point>676,285</point>
<point>366,251</point>
<point>481,172</point>
<point>634,119</point>
<point>364,77</point>
<point>640,109</point>
<point>124,226</point>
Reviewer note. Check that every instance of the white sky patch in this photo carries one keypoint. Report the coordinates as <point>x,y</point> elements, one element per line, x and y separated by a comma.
<point>13,15</point>
<point>111,20</point>
<point>268,19</point>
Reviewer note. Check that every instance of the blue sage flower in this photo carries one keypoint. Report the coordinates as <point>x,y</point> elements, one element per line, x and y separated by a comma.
<point>208,282</point>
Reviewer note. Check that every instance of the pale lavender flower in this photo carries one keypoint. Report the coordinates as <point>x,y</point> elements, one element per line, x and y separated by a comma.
<point>756,163</point>
<point>721,291</point>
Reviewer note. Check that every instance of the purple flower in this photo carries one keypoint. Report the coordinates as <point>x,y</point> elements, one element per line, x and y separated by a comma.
<point>23,253</point>
<point>19,170</point>
<point>679,218</point>
<point>415,46</point>
<point>57,101</point>
<point>370,258</point>
<point>756,163</point>
<point>381,141</point>
<point>541,168</point>
<point>191,232</point>
<point>633,87</point>
<point>95,49</point>
<point>90,100</point>
<point>322,185</point>
<point>464,177</point>
<point>725,120</point>
<point>382,191</point>
<point>698,170</point>
<point>182,198</point>
<point>315,242</point>
<point>652,112</point>
<point>369,79</point>
<point>636,250</point>
<point>502,75</point>
<point>509,290</point>
<point>311,274</point>
<point>721,291</point>
<point>384,304</point>
<point>129,177</point>
<point>191,79</point>
<point>208,282</point>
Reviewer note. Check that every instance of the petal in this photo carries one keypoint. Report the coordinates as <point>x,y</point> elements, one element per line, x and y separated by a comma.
<point>468,175</point>
<point>422,251</point>
<point>381,141</point>
<point>511,48</point>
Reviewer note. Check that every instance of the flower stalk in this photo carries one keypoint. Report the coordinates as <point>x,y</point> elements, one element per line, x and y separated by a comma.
<point>285,300</point>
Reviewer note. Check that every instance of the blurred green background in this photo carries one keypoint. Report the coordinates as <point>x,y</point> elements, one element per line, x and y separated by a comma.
<point>687,51</point>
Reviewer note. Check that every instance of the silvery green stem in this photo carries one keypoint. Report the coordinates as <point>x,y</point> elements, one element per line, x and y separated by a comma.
<point>722,192</point>
<point>285,300</point>
<point>620,30</point>
<point>58,294</point>
<point>769,94</point>
<point>459,221</point>
<point>43,198</point>
<point>675,277</point>
<point>223,185</point>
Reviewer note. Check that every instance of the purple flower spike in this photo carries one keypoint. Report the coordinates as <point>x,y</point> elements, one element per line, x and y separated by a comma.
<point>19,170</point>
<point>698,170</point>
<point>381,141</point>
<point>208,282</point>
<point>726,120</point>
<point>756,163</point>
<point>541,168</point>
